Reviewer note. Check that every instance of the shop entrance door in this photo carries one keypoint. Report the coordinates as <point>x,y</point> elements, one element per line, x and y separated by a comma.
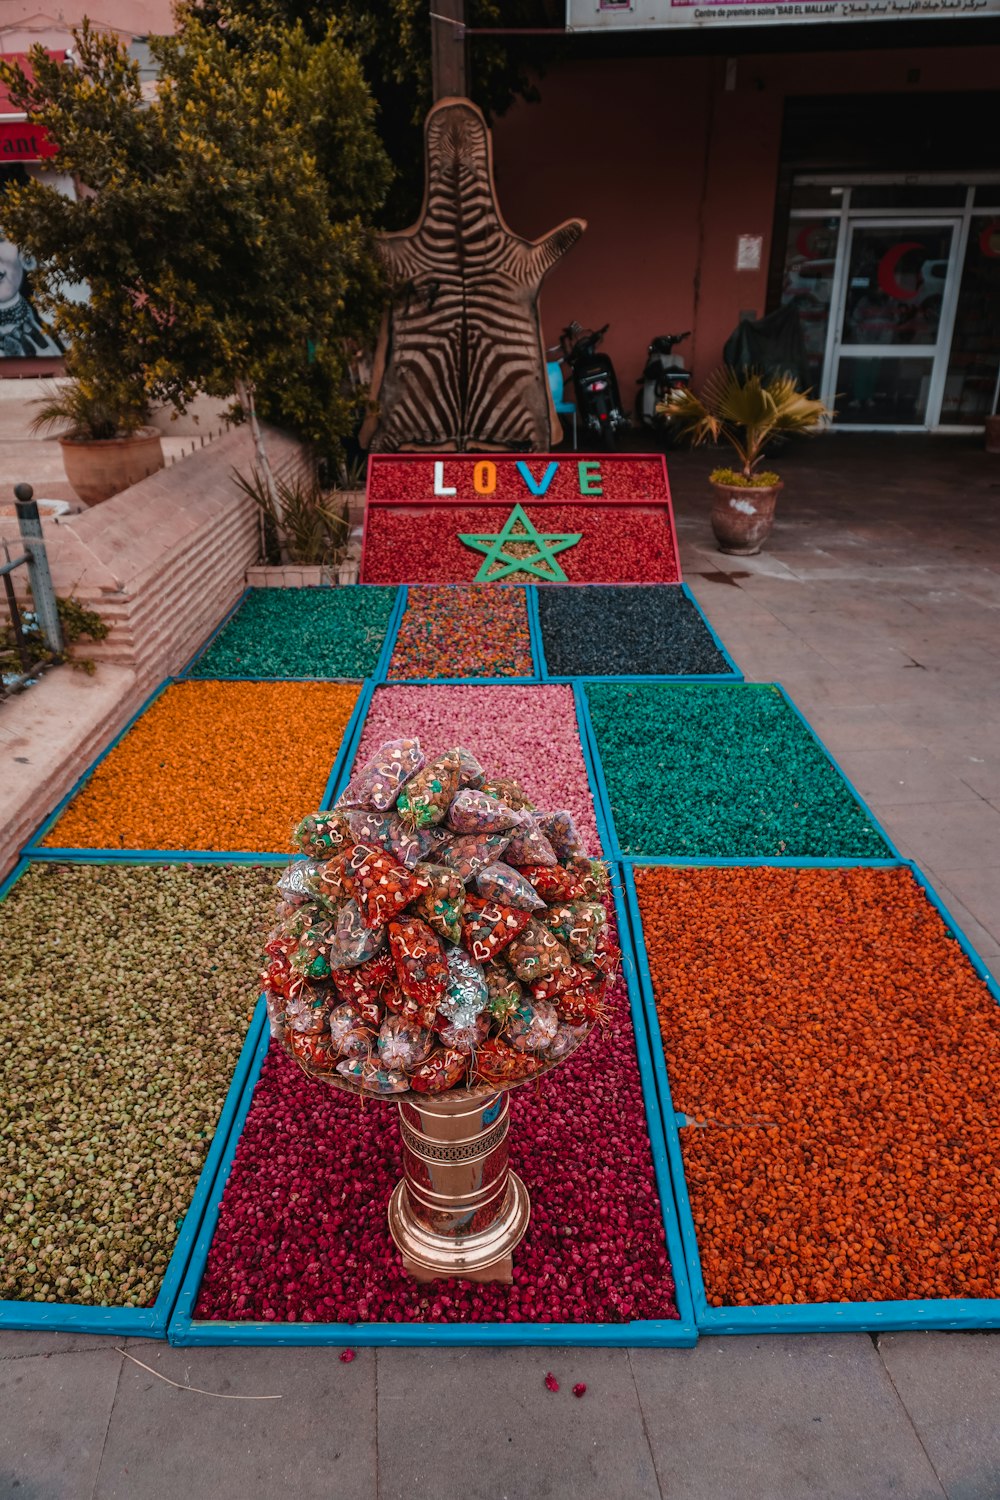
<point>892,329</point>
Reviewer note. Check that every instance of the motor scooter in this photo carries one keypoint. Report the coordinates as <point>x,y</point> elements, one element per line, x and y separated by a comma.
<point>665,372</point>
<point>598,402</point>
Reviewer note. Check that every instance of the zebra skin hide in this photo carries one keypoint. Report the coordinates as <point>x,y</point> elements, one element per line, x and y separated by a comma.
<point>460,364</point>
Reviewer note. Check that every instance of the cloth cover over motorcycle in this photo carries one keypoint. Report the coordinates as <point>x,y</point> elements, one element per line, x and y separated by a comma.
<point>772,345</point>
<point>460,363</point>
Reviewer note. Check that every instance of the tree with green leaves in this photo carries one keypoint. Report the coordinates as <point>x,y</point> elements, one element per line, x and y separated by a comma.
<point>223,224</point>
<point>392,38</point>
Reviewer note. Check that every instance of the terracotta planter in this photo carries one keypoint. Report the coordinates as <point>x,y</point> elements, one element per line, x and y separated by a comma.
<point>99,469</point>
<point>742,516</point>
<point>993,434</point>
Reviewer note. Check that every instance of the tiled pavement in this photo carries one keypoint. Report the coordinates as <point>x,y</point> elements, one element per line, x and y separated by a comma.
<point>877,605</point>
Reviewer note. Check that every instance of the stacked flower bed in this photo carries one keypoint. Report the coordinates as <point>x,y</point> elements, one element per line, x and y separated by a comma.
<point>721,771</point>
<point>323,632</point>
<point>127,993</point>
<point>214,766</point>
<point>836,1055</point>
<point>463,632</point>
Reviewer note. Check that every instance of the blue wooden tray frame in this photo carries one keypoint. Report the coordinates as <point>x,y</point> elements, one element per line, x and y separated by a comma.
<point>36,851</point>
<point>804,1317</point>
<point>381,663</point>
<point>614,849</point>
<point>150,1322</point>
<point>643,1333</point>
<point>732,674</point>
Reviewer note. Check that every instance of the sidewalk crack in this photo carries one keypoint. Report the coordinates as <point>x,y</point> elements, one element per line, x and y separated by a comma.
<point>913,1427</point>
<point>645,1429</point>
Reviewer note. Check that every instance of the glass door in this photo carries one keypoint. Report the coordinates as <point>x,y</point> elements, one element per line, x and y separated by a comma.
<point>892,329</point>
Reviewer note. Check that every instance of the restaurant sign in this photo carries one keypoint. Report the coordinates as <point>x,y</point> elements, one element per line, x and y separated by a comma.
<point>600,15</point>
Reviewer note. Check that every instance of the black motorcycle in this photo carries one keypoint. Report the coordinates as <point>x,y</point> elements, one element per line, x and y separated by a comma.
<point>598,402</point>
<point>665,372</point>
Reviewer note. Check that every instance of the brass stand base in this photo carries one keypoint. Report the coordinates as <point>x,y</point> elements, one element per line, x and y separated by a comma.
<point>483,1256</point>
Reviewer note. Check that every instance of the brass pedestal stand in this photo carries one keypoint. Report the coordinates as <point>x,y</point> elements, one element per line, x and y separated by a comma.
<point>459,1209</point>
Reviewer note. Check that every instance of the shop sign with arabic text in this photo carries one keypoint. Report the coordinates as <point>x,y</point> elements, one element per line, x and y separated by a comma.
<point>598,15</point>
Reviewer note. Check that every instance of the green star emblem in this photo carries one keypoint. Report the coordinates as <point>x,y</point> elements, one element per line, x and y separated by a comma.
<point>519,528</point>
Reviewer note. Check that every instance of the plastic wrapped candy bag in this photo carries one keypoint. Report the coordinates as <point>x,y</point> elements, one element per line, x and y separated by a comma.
<point>307,1010</point>
<point>367,981</point>
<point>579,925</point>
<point>582,1005</point>
<point>321,834</point>
<point>353,941</point>
<point>555,882</point>
<point>533,1028</point>
<point>378,782</point>
<point>442,1070</point>
<point>379,884</point>
<point>348,1036</point>
<point>529,846</point>
<point>310,956</point>
<point>470,772</point>
<point>504,992</point>
<point>468,853</point>
<point>313,1050</point>
<point>607,955</point>
<point>497,1063</point>
<point>510,792</point>
<point>560,830</point>
<point>487,927</point>
<point>425,799</point>
<point>275,1007</point>
<point>295,883</point>
<point>372,1078</point>
<point>421,966</point>
<point>569,978</point>
<point>566,1040</point>
<point>536,953</point>
<point>466,994</point>
<point>478,812</point>
<point>327,884</point>
<point>440,900</point>
<point>501,882</point>
<point>592,875</point>
<point>391,834</point>
<point>401,1045</point>
<point>465,1038</point>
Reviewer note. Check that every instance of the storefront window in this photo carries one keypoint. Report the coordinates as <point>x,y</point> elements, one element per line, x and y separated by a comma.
<point>883,391</point>
<point>970,384</point>
<point>810,258</point>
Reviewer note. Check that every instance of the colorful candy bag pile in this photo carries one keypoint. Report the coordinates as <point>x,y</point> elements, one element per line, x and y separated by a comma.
<point>440,932</point>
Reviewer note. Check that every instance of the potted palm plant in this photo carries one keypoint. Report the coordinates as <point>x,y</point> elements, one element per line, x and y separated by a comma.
<point>748,411</point>
<point>107,444</point>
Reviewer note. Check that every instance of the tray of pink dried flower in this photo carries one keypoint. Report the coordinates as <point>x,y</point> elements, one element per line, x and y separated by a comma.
<point>438,933</point>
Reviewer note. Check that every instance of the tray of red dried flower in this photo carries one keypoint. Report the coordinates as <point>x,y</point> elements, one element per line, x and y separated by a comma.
<point>440,933</point>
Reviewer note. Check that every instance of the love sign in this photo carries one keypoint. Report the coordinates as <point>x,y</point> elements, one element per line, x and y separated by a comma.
<point>541,518</point>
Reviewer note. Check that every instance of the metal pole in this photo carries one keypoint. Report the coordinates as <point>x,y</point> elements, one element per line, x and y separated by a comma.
<point>448,65</point>
<point>42,591</point>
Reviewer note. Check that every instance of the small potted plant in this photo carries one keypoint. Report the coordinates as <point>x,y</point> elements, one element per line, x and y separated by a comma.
<point>107,444</point>
<point>748,411</point>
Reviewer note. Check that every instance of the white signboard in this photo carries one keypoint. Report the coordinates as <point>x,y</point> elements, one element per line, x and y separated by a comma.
<point>621,15</point>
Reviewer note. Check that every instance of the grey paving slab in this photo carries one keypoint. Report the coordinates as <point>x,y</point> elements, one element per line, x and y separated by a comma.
<point>903,775</point>
<point>861,727</point>
<point>55,1411</point>
<point>318,1440</point>
<point>950,1385</point>
<point>804,1417</point>
<point>480,1425</point>
<point>979,892</point>
<point>946,836</point>
<point>15,1344</point>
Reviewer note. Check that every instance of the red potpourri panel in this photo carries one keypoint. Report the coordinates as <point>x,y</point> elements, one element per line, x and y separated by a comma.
<point>543,518</point>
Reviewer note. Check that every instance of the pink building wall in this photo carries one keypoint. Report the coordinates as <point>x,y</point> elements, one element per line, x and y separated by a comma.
<point>25,22</point>
<point>669,169</point>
